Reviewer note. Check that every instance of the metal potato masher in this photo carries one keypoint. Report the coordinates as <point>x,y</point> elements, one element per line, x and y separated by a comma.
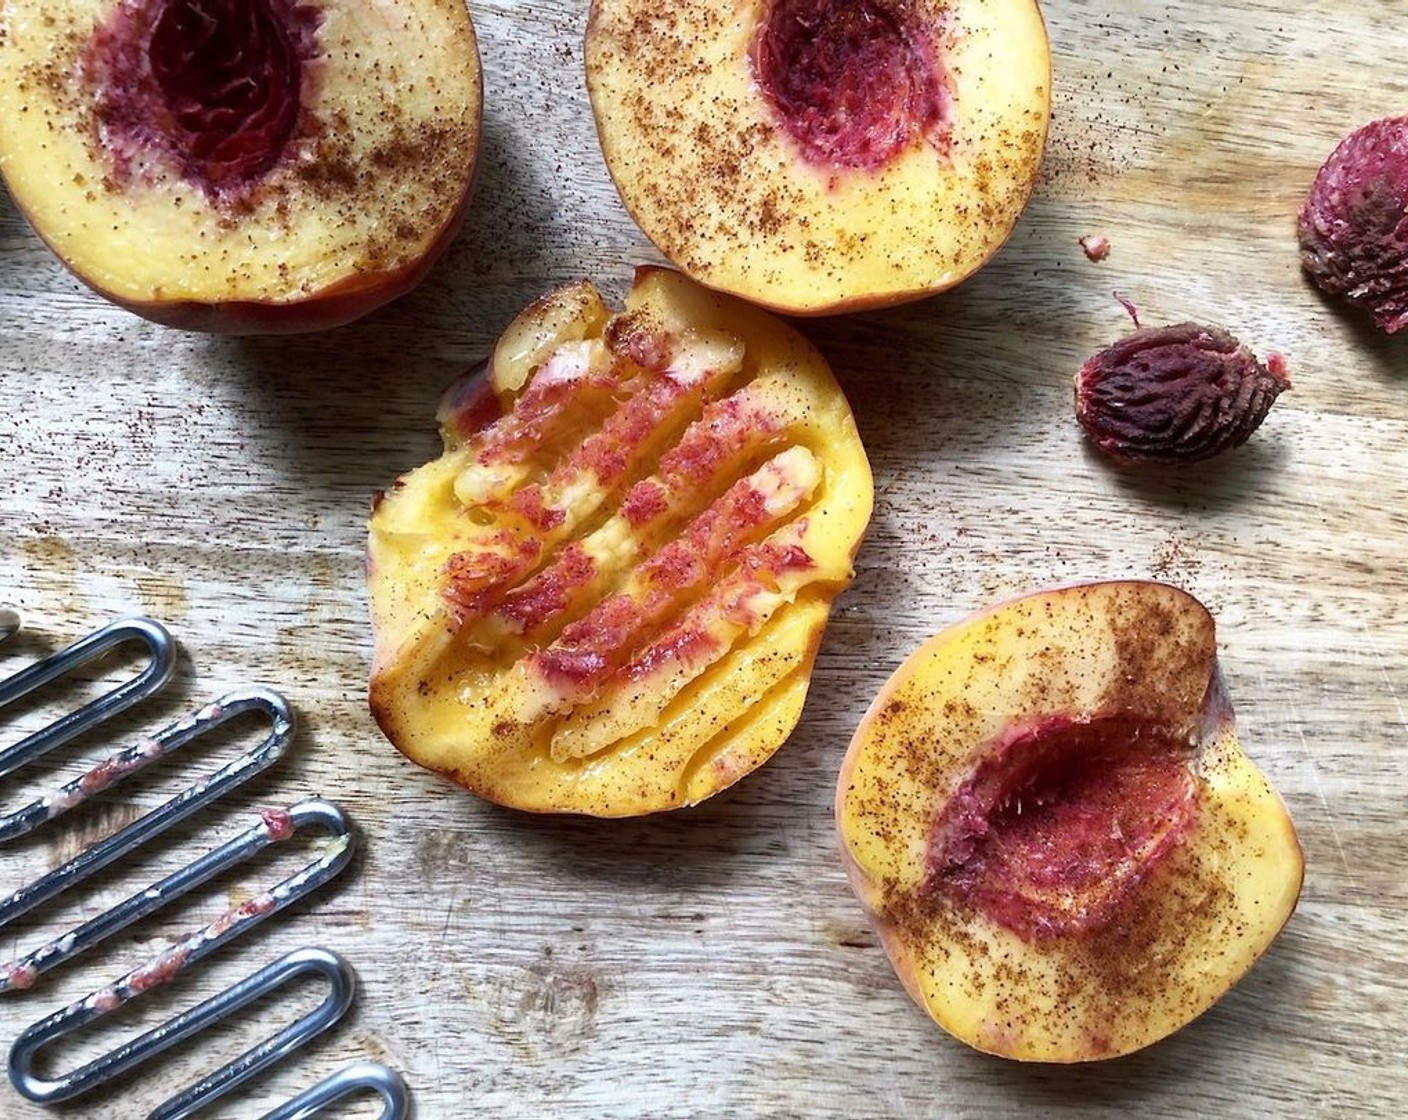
<point>272,826</point>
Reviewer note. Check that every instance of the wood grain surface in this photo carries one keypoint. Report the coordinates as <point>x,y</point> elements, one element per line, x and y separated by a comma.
<point>713,962</point>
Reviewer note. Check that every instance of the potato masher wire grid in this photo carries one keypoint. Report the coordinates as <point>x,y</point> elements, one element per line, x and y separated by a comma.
<point>341,986</point>
<point>274,825</point>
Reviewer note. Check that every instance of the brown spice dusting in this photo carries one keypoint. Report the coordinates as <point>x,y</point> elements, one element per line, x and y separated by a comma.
<point>637,336</point>
<point>1174,557</point>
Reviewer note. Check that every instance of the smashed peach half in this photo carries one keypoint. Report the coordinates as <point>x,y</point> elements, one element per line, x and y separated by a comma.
<point>606,596</point>
<point>1048,817</point>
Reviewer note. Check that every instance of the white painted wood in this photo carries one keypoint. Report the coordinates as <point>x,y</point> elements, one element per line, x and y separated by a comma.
<point>714,962</point>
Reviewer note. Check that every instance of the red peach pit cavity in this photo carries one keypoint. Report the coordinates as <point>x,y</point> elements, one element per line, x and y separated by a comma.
<point>214,88</point>
<point>854,84</point>
<point>1056,828</point>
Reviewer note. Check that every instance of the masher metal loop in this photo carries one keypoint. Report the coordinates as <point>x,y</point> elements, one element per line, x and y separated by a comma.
<point>353,1078</point>
<point>188,801</point>
<point>138,757</point>
<point>274,826</point>
<point>161,650</point>
<point>164,968</point>
<point>341,984</point>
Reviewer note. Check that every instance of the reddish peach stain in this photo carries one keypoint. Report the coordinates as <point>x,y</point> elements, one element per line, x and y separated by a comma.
<point>545,404</point>
<point>575,669</point>
<point>711,540</point>
<point>257,906</point>
<point>1061,821</point>
<point>470,406</point>
<point>644,502</point>
<point>475,579</point>
<point>679,565</point>
<point>606,627</point>
<point>689,643</point>
<point>725,429</point>
<point>105,773</point>
<point>610,450</point>
<point>18,975</point>
<point>739,606</point>
<point>530,504</point>
<point>160,971</point>
<point>549,592</point>
<point>682,646</point>
<point>781,558</point>
<point>743,507</point>
<point>277,823</point>
<point>590,648</point>
<point>1129,308</point>
<point>1096,246</point>
<point>593,646</point>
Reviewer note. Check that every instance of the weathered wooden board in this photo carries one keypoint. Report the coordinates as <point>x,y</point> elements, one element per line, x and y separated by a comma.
<point>714,962</point>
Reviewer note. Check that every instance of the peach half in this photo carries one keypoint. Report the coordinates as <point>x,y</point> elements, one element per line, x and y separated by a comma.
<point>606,596</point>
<point>241,166</point>
<point>1048,817</point>
<point>818,156</point>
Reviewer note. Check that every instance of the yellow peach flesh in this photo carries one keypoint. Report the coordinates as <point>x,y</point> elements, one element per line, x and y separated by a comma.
<point>1189,928</point>
<point>352,217</point>
<point>702,164</point>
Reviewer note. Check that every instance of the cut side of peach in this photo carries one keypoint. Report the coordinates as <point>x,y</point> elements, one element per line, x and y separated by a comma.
<point>816,156</point>
<point>1048,816</point>
<point>607,595</point>
<point>255,167</point>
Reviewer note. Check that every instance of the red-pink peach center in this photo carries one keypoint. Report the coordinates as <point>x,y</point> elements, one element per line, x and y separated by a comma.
<point>854,84</point>
<point>216,85</point>
<point>1061,821</point>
